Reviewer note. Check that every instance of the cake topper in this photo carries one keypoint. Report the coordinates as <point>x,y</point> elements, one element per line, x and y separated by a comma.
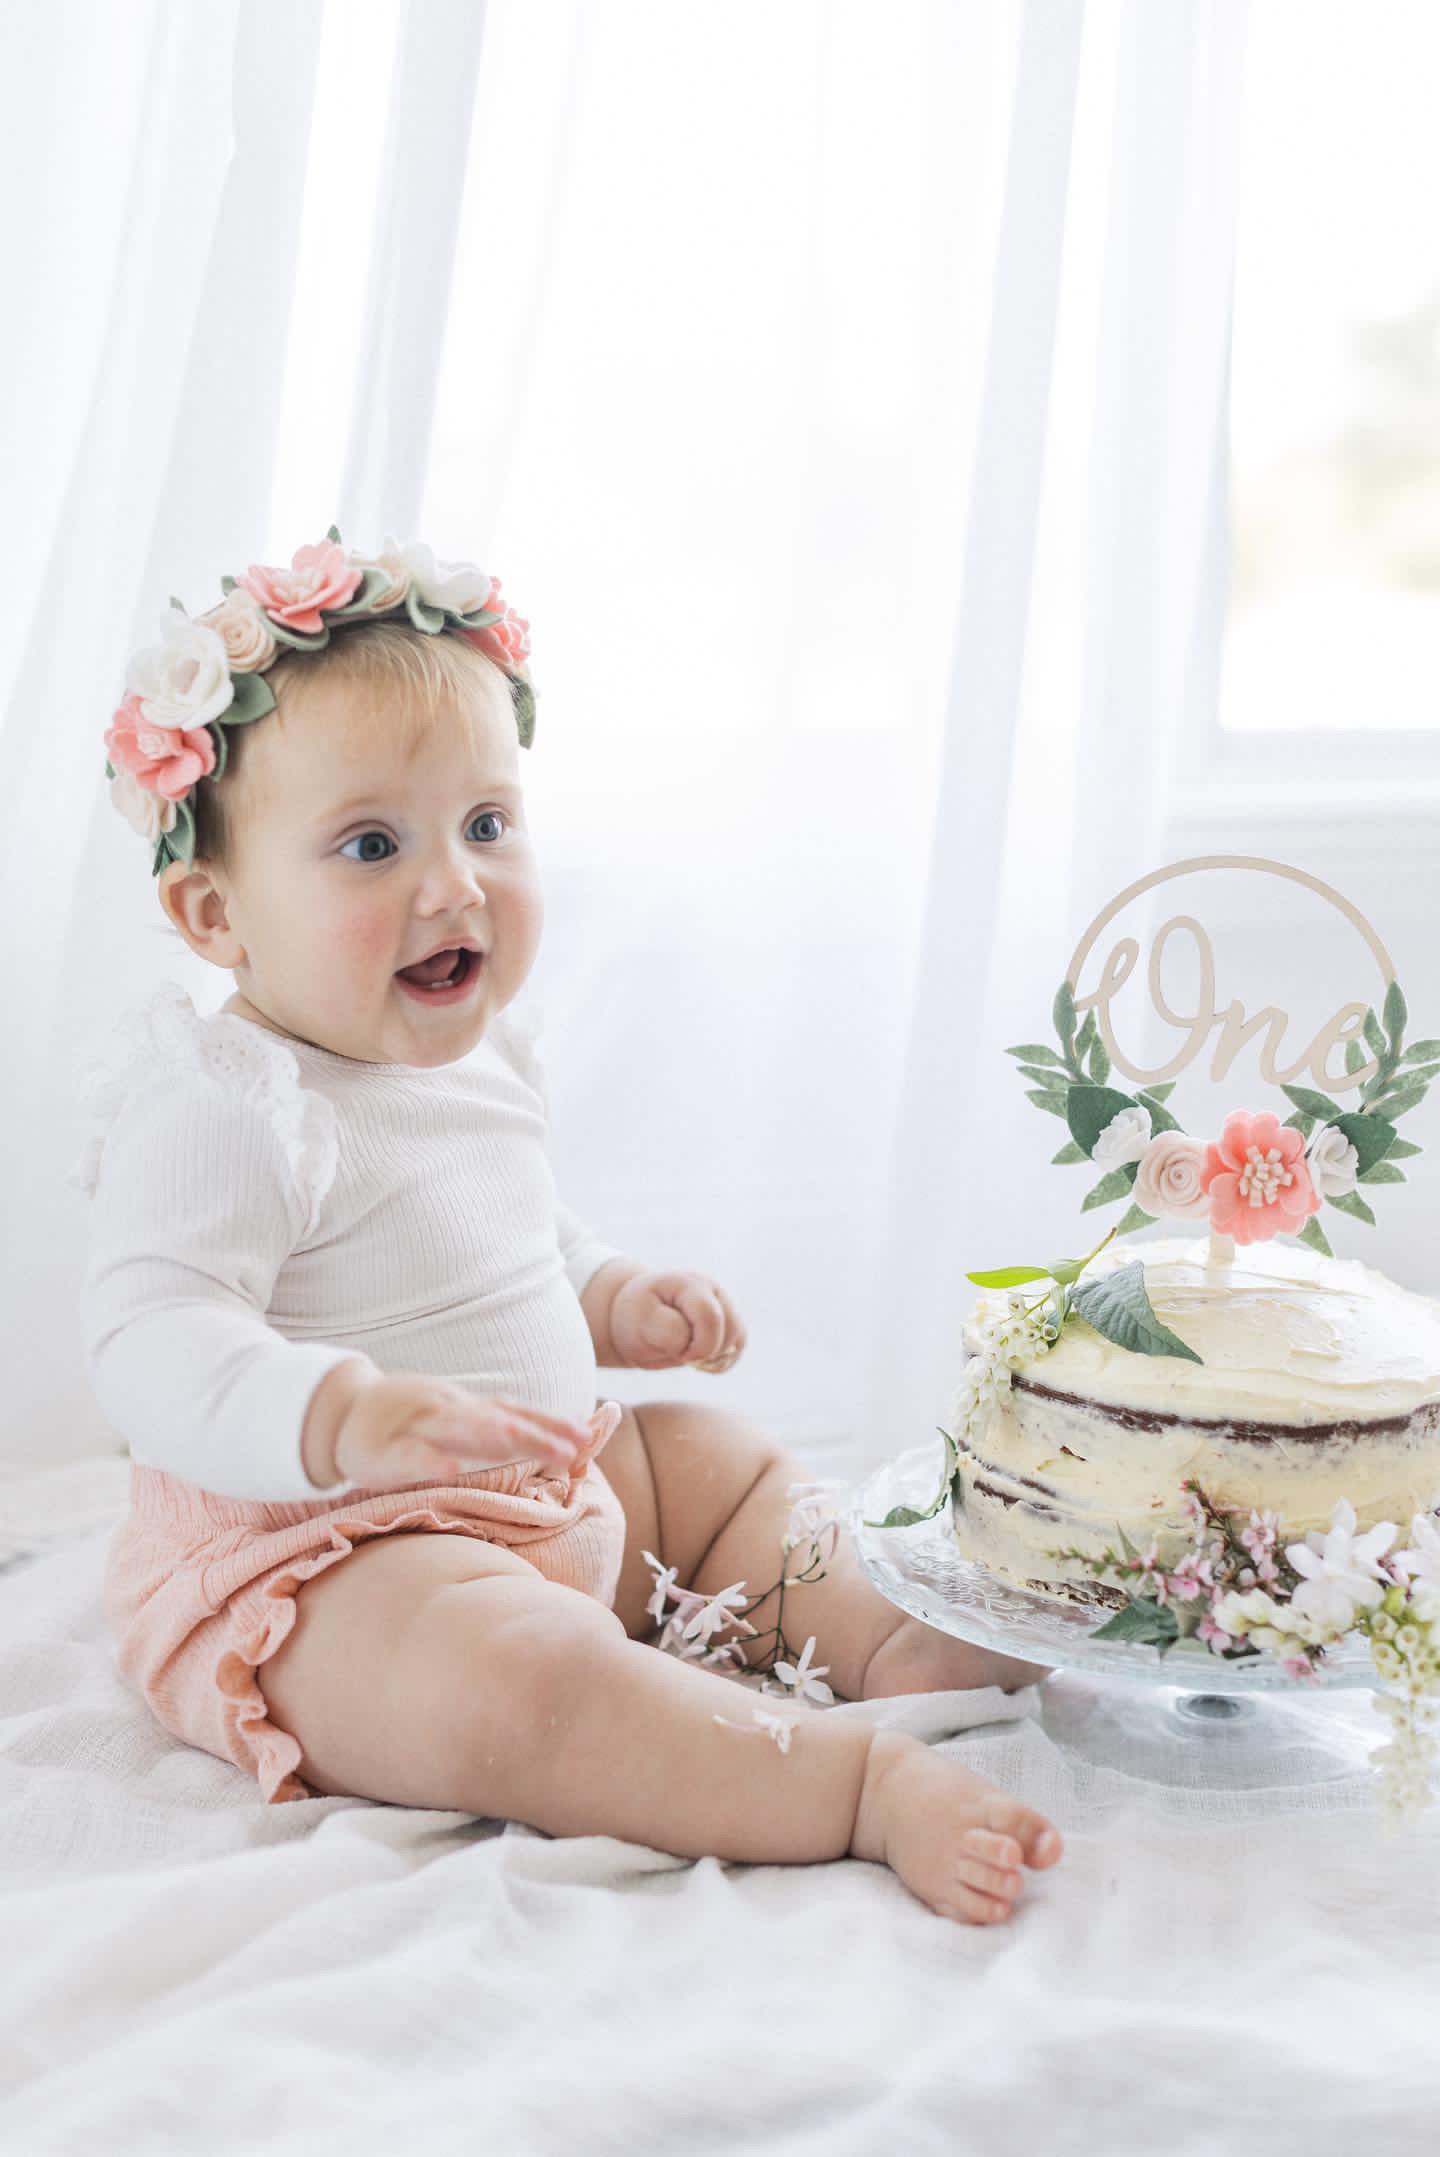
<point>1261,1177</point>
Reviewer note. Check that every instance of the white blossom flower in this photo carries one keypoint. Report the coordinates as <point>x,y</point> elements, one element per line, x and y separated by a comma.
<point>811,1519</point>
<point>1123,1139</point>
<point>665,1587</point>
<point>1334,1163</point>
<point>1340,1564</point>
<point>780,1728</point>
<point>723,1608</point>
<point>803,1680</point>
<point>1420,1567</point>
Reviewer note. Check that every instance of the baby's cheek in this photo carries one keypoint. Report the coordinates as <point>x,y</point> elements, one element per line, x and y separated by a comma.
<point>361,940</point>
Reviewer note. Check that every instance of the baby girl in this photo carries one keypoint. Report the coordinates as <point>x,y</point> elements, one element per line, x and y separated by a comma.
<point>351,1334</point>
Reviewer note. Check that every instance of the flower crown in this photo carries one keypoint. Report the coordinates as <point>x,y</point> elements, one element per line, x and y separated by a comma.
<point>184,694</point>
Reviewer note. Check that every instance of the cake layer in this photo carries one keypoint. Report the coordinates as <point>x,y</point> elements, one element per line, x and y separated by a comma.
<point>1320,1381</point>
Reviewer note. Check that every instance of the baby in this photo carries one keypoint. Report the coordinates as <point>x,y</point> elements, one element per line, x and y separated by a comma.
<point>338,1310</point>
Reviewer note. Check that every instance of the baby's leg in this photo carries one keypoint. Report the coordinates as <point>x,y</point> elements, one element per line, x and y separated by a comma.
<point>437,1671</point>
<point>706,1491</point>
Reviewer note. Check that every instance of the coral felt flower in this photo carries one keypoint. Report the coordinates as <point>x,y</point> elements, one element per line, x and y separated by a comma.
<point>1257,1180</point>
<point>318,576</point>
<point>162,759</point>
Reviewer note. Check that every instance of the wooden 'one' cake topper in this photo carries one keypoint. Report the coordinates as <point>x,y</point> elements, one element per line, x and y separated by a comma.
<point>1260,1177</point>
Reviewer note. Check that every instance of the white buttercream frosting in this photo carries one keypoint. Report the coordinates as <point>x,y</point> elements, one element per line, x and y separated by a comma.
<point>1290,1341</point>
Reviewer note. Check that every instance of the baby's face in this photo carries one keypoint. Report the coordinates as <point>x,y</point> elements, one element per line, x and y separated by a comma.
<point>361,860</point>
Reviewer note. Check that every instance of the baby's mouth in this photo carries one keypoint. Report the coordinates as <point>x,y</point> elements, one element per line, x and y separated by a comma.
<point>445,970</point>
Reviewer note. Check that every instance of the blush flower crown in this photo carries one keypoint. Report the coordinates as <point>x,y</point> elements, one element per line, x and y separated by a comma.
<point>184,694</point>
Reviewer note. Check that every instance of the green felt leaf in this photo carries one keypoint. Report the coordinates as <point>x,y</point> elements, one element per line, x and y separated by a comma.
<point>1355,1056</point>
<point>1088,1034</point>
<point>1135,1218</point>
<point>334,533</point>
<point>430,619</point>
<point>1401,1149</point>
<point>1313,1234</point>
<point>1419,1074</point>
<point>1009,1276</point>
<point>1375,1039</point>
<point>1089,1108</point>
<point>1162,1092</point>
<point>227,585</point>
<point>1382,1172</point>
<point>522,696</point>
<point>1370,1135</point>
<point>298,640</point>
<point>110,773</point>
<point>1099,1059</point>
<point>1144,1620</point>
<point>252,699</point>
<point>1110,1187</point>
<point>1352,1203</point>
<point>1052,1103</point>
<point>1032,1052</point>
<point>1069,1153</point>
<point>1063,1013</point>
<point>1118,1306</point>
<point>1314,1104</point>
<point>1300,1122</point>
<point>1160,1116</point>
<point>221,737</point>
<point>1395,1013</point>
<point>178,604</point>
<point>1041,1076</point>
<point>1421,1052</point>
<point>1399,1103</point>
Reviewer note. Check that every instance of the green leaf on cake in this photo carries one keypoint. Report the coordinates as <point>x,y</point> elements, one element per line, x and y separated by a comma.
<point>1395,1013</point>
<point>1313,1234</point>
<point>1063,1014</point>
<point>1162,1092</point>
<point>1117,1306</point>
<point>1352,1203</point>
<point>1069,1153</point>
<point>1099,1059</point>
<point>1137,1217</point>
<point>905,1516</point>
<point>1400,1149</point>
<point>1301,1122</point>
<point>1144,1620</point>
<point>1052,1103</point>
<point>1421,1052</point>
<point>1009,1276</point>
<point>1089,1108</point>
<point>1086,1037</point>
<point>1382,1172</point>
<point>1318,1105</point>
<point>1031,1052</point>
<point>1375,1040</point>
<point>1370,1135</point>
<point>1110,1187</point>
<point>1401,1103</point>
<point>1355,1057</point>
<point>1040,1075</point>
<point>1160,1116</point>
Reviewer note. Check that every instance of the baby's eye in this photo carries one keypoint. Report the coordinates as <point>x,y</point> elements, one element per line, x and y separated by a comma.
<point>494,815</point>
<point>359,840</point>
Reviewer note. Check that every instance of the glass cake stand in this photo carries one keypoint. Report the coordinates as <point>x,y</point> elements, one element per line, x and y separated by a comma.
<point>1187,1718</point>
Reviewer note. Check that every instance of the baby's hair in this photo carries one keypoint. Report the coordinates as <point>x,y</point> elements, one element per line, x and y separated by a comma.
<point>425,671</point>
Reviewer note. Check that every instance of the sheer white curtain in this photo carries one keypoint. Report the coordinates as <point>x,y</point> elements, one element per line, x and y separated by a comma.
<point>846,412</point>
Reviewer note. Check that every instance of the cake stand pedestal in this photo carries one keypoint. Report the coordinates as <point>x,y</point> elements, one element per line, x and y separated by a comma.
<point>1187,1718</point>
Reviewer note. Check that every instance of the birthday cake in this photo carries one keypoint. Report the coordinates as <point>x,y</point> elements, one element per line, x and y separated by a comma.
<point>1318,1381</point>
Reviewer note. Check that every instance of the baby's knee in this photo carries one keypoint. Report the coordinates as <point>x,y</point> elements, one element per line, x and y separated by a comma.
<point>537,1657</point>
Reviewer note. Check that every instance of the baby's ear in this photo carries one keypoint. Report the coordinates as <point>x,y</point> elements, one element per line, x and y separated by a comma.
<point>196,905</point>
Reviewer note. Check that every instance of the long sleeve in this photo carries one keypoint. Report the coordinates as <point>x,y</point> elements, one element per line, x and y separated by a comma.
<point>583,1252</point>
<point>194,1209</point>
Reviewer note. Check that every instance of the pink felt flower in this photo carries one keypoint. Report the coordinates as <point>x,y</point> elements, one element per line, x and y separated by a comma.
<point>318,576</point>
<point>163,759</point>
<point>507,641</point>
<point>1257,1180</point>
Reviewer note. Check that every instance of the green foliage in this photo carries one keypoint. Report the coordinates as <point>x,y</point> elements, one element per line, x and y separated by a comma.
<point>1143,1619</point>
<point>1313,1234</point>
<point>1352,1203</point>
<point>1110,1187</point>
<point>1088,1109</point>
<point>1118,1306</point>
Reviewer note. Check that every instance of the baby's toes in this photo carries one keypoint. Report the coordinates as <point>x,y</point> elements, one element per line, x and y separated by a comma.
<point>972,1906</point>
<point>1038,1838</point>
<point>1002,1881</point>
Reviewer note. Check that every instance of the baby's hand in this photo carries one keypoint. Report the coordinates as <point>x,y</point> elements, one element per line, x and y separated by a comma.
<point>403,1428</point>
<point>658,1321</point>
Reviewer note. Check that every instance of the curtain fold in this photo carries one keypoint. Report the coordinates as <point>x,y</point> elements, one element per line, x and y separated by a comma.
<point>835,422</point>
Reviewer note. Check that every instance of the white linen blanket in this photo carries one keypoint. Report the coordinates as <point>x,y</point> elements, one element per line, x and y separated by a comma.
<point>187,1970</point>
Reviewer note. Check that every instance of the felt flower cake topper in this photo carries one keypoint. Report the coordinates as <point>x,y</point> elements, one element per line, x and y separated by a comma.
<point>169,732</point>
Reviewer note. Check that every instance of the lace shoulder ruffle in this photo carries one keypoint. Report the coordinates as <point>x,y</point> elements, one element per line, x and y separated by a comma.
<point>164,1033</point>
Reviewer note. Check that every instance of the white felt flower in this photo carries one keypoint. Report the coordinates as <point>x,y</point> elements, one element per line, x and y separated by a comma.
<point>1334,1163</point>
<point>460,586</point>
<point>1168,1184</point>
<point>1123,1139</point>
<point>185,681</point>
<point>149,814</point>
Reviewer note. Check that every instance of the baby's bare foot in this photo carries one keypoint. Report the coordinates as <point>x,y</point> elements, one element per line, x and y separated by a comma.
<point>956,1840</point>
